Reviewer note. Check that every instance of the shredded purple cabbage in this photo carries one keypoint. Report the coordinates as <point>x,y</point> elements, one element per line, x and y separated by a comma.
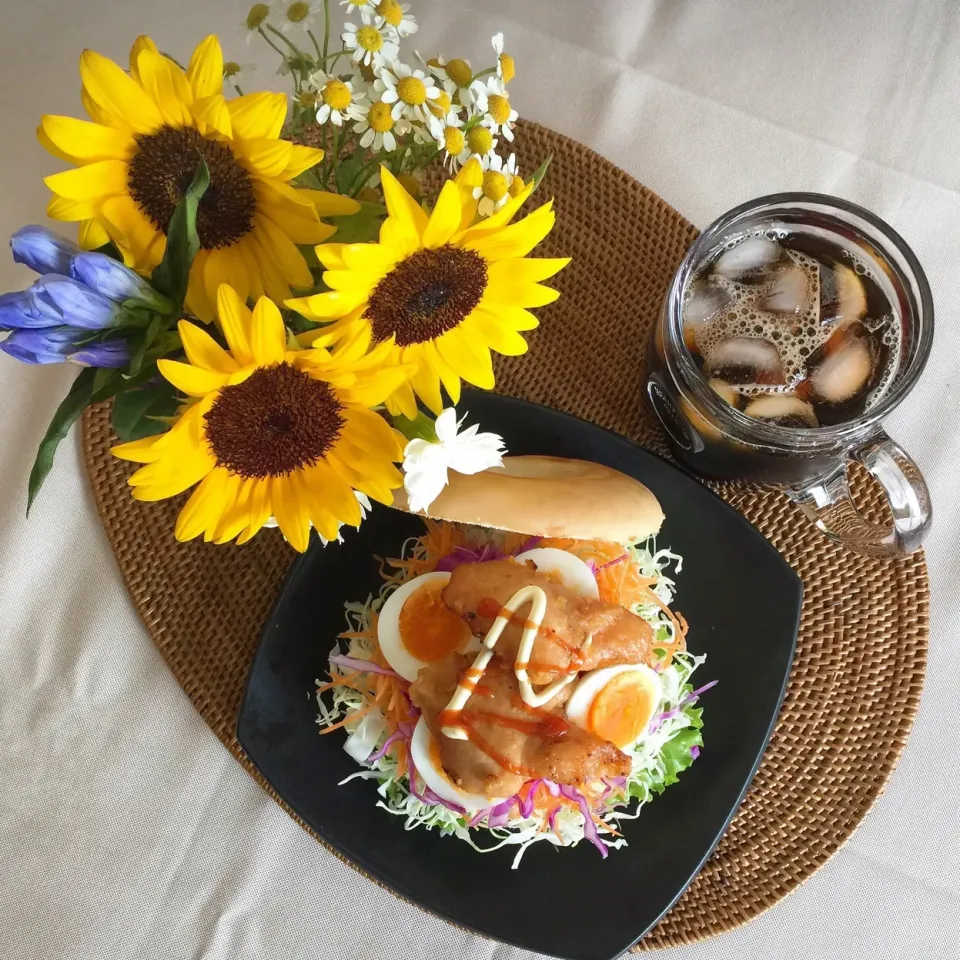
<point>694,751</point>
<point>427,796</point>
<point>589,827</point>
<point>461,555</point>
<point>610,563</point>
<point>660,720</point>
<point>365,666</point>
<point>387,744</point>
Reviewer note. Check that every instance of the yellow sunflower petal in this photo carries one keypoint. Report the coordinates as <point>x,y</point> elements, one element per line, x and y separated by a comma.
<point>236,515</point>
<point>81,141</point>
<point>235,321</point>
<point>225,265</point>
<point>246,257</point>
<point>329,204</point>
<point>198,303</point>
<point>98,180</point>
<point>60,208</point>
<point>92,235</point>
<point>495,333</point>
<point>264,157</point>
<point>139,451</point>
<point>403,401</point>
<point>331,254</point>
<point>284,252</point>
<point>143,42</point>
<point>469,358</point>
<point>424,380</point>
<point>445,219</point>
<point>448,377</point>
<point>369,258</point>
<point>400,236</point>
<point>212,116</point>
<point>467,180</point>
<point>292,516</point>
<point>400,205</point>
<point>167,87</point>
<point>302,158</point>
<point>328,305</point>
<point>258,114</point>
<point>295,217</point>
<point>127,221</point>
<point>202,350</point>
<point>518,239</point>
<point>519,294</point>
<point>527,269</point>
<point>206,505</point>
<point>274,283</point>
<point>116,95</point>
<point>259,510</point>
<point>376,477</point>
<point>205,70</point>
<point>333,493</point>
<point>193,381</point>
<point>505,214</point>
<point>268,340</point>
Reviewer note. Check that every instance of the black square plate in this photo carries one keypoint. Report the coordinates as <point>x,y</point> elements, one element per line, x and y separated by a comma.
<point>743,604</point>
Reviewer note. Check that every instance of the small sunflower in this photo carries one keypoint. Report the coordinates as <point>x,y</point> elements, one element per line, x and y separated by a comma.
<point>439,291</point>
<point>137,156</point>
<point>270,432</point>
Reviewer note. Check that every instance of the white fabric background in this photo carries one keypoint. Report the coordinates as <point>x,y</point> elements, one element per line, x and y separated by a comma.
<point>126,830</point>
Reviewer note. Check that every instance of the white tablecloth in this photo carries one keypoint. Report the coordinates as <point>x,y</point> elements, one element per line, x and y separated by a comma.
<point>126,830</point>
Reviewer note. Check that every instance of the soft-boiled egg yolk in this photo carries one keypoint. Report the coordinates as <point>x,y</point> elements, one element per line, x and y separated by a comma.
<point>616,703</point>
<point>564,567</point>
<point>415,627</point>
<point>425,753</point>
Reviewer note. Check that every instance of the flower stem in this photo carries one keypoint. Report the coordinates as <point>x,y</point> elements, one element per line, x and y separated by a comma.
<point>286,40</point>
<point>326,27</point>
<point>263,34</point>
<point>316,46</point>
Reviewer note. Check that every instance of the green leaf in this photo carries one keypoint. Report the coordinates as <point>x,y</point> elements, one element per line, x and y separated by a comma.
<point>540,173</point>
<point>659,652</point>
<point>170,277</point>
<point>347,171</point>
<point>360,227</point>
<point>422,428</point>
<point>78,396</point>
<point>144,343</point>
<point>136,412</point>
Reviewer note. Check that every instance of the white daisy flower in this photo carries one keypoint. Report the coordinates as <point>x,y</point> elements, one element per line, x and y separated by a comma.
<point>394,15</point>
<point>453,74</point>
<point>448,133</point>
<point>494,191</point>
<point>336,99</point>
<point>425,464</point>
<point>506,69</point>
<point>500,117</point>
<point>298,14</point>
<point>480,142</point>
<point>378,128</point>
<point>408,90</point>
<point>232,69</point>
<point>355,3</point>
<point>256,17</point>
<point>370,45</point>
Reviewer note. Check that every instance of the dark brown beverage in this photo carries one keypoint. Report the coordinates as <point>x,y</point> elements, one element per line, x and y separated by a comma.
<point>792,329</point>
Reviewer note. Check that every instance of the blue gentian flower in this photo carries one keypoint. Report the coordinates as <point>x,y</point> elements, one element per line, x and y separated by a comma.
<point>42,250</point>
<point>56,344</point>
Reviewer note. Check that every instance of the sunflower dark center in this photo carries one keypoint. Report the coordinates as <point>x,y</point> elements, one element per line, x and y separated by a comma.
<point>162,169</point>
<point>428,293</point>
<point>277,420</point>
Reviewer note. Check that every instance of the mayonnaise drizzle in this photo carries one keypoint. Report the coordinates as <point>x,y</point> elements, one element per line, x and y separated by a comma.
<point>538,608</point>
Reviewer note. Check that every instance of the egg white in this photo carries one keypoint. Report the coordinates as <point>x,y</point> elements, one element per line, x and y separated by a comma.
<point>388,626</point>
<point>590,684</point>
<point>571,571</point>
<point>437,779</point>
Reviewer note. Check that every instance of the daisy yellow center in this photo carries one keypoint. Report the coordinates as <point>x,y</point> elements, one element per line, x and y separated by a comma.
<point>480,140</point>
<point>410,183</point>
<point>276,421</point>
<point>162,169</point>
<point>231,68</point>
<point>459,72</point>
<point>256,15</point>
<point>516,187</point>
<point>494,185</point>
<point>369,38</point>
<point>391,11</point>
<point>379,117</point>
<point>440,105</point>
<point>336,95</point>
<point>427,294</point>
<point>411,90</point>
<point>453,140</point>
<point>308,98</point>
<point>498,107</point>
<point>298,12</point>
<point>508,68</point>
<point>368,195</point>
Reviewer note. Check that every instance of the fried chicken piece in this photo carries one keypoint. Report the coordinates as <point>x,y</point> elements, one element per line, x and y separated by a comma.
<point>477,591</point>
<point>510,742</point>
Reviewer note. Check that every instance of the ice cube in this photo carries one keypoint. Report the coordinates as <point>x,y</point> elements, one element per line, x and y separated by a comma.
<point>789,293</point>
<point>723,390</point>
<point>747,259</point>
<point>842,294</point>
<point>782,409</point>
<point>840,373</point>
<point>704,303</point>
<point>745,360</point>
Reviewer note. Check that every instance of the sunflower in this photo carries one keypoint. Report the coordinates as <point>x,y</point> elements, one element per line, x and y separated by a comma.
<point>264,435</point>
<point>438,291</point>
<point>137,155</point>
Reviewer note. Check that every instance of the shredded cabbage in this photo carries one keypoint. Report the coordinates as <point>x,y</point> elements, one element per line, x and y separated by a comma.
<point>672,743</point>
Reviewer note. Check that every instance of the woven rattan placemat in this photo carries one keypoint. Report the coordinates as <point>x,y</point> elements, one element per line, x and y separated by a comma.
<point>862,649</point>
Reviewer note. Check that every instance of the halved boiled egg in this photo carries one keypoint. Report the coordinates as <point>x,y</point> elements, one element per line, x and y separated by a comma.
<point>425,752</point>
<point>569,570</point>
<point>416,627</point>
<point>616,703</point>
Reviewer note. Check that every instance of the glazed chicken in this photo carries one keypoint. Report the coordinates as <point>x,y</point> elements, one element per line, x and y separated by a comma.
<point>477,591</point>
<point>510,742</point>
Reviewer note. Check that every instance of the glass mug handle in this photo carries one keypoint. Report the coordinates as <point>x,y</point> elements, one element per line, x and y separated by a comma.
<point>828,502</point>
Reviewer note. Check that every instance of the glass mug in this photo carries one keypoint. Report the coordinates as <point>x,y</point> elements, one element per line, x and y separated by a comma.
<point>716,439</point>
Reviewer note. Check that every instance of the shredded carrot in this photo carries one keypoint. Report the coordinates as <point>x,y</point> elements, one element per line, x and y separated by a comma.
<point>340,681</point>
<point>351,716</point>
